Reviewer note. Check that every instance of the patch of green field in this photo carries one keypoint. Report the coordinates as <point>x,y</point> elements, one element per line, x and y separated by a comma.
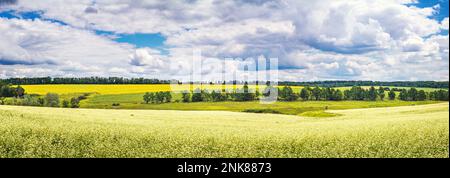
<point>411,131</point>
<point>135,101</point>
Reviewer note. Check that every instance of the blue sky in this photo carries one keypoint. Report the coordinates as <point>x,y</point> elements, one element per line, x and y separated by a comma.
<point>324,40</point>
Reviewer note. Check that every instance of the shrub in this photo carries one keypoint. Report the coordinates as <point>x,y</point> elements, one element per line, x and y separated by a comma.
<point>29,100</point>
<point>51,100</point>
<point>75,103</point>
<point>65,104</point>
<point>270,111</point>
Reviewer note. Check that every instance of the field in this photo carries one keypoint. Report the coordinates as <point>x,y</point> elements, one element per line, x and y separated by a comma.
<point>220,129</point>
<point>141,88</point>
<point>131,97</point>
<point>409,131</point>
<point>134,101</point>
<point>99,89</point>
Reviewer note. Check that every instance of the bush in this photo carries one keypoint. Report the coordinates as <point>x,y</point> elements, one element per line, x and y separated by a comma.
<point>29,100</point>
<point>75,103</point>
<point>65,104</point>
<point>51,100</point>
<point>270,111</point>
<point>116,104</point>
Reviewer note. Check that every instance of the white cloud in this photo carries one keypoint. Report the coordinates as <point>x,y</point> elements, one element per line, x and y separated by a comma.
<point>444,24</point>
<point>325,39</point>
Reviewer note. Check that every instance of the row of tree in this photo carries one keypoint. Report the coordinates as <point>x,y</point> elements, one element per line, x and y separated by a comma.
<point>333,84</point>
<point>85,80</point>
<point>49,100</point>
<point>157,97</point>
<point>121,80</point>
<point>307,93</point>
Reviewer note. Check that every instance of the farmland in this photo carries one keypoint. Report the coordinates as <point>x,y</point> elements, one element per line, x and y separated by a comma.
<point>134,101</point>
<point>410,131</point>
<point>114,121</point>
<point>130,97</point>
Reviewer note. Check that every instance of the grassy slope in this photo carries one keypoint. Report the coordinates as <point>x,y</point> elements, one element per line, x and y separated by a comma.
<point>412,131</point>
<point>134,101</point>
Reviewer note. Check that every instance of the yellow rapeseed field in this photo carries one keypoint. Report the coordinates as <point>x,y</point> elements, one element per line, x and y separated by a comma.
<point>94,88</point>
<point>121,89</point>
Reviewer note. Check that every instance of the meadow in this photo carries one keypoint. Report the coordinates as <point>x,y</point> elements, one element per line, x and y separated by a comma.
<point>408,131</point>
<point>131,97</point>
<point>305,108</point>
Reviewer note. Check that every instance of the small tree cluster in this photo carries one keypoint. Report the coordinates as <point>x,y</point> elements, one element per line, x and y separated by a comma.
<point>157,97</point>
<point>412,95</point>
<point>6,90</point>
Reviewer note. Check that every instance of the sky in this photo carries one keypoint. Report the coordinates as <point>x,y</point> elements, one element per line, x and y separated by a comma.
<point>382,40</point>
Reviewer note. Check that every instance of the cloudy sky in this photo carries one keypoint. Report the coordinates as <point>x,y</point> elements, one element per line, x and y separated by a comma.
<point>383,40</point>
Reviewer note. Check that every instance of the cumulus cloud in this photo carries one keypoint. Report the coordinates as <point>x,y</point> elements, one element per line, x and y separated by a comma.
<point>37,43</point>
<point>324,39</point>
<point>444,24</point>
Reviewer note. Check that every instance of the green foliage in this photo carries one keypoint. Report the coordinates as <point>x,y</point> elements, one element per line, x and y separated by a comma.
<point>197,95</point>
<point>157,97</point>
<point>305,93</point>
<point>29,100</point>
<point>287,94</point>
<point>186,96</point>
<point>65,104</point>
<point>75,102</point>
<point>381,93</point>
<point>51,100</point>
<point>392,95</point>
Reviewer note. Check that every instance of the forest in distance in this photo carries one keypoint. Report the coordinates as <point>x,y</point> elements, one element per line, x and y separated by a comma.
<point>122,80</point>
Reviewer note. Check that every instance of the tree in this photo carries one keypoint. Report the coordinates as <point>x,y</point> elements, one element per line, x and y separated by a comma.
<point>421,95</point>
<point>372,94</point>
<point>74,102</point>
<point>412,94</point>
<point>216,96</point>
<point>338,96</point>
<point>19,91</point>
<point>65,104</point>
<point>147,97</point>
<point>287,94</point>
<point>248,95</point>
<point>304,94</point>
<point>167,97</point>
<point>381,93</point>
<point>197,96</point>
<point>392,95</point>
<point>316,93</point>
<point>186,96</point>
<point>51,100</point>
<point>347,95</point>
<point>403,95</point>
<point>29,100</point>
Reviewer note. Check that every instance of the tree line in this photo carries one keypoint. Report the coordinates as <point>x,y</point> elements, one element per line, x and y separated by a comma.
<point>121,80</point>
<point>343,83</point>
<point>8,97</point>
<point>85,80</point>
<point>316,93</point>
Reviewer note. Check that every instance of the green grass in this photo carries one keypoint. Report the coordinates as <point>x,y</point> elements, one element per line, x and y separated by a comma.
<point>411,131</point>
<point>134,101</point>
